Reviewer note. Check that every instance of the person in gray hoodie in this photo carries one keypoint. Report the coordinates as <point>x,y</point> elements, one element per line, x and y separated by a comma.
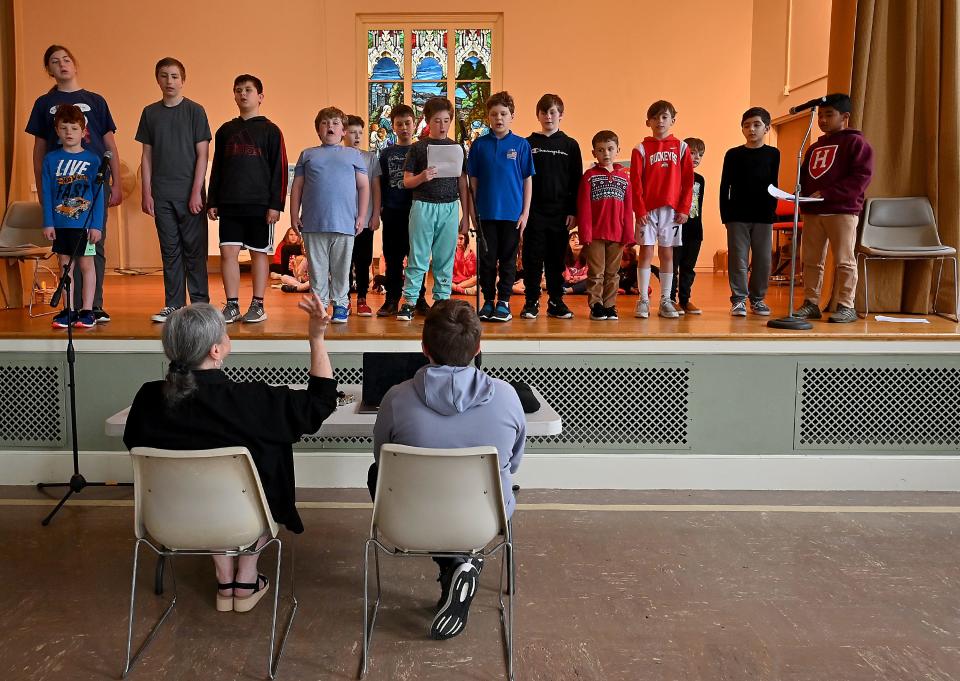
<point>451,404</point>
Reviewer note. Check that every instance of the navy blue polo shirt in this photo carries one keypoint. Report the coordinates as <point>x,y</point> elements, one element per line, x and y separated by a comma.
<point>500,166</point>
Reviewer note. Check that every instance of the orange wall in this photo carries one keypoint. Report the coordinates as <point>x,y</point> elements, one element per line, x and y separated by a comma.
<point>309,59</point>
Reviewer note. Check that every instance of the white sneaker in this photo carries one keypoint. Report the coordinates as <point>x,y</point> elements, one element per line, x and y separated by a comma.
<point>162,315</point>
<point>642,310</point>
<point>667,309</point>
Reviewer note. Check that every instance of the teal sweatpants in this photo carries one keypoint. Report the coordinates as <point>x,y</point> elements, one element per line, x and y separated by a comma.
<point>433,232</point>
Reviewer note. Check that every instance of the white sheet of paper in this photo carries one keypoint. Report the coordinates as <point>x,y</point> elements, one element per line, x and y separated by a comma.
<point>446,158</point>
<point>905,320</point>
<point>778,193</point>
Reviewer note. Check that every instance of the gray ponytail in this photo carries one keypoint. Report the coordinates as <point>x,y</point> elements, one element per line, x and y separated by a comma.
<point>188,334</point>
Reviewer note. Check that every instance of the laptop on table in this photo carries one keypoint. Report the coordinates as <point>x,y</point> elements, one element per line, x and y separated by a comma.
<point>382,371</point>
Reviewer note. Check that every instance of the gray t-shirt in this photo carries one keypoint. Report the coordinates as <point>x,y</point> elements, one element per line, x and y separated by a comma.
<point>173,133</point>
<point>329,202</point>
<point>439,189</point>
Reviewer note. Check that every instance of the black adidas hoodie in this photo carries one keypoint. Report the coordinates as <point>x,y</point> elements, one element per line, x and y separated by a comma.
<point>249,172</point>
<point>559,167</point>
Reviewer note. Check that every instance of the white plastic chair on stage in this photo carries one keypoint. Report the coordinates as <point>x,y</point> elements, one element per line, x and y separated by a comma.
<point>903,229</point>
<point>201,503</point>
<point>438,503</point>
<point>21,238</point>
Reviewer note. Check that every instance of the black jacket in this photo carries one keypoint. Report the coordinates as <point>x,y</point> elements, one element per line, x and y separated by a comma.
<point>743,184</point>
<point>559,168</point>
<point>249,166</point>
<point>265,419</point>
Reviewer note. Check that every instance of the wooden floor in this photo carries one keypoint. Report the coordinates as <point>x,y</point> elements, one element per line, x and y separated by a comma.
<point>678,586</point>
<point>131,300</point>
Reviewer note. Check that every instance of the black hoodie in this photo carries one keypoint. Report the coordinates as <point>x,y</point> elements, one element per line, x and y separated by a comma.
<point>249,172</point>
<point>559,167</point>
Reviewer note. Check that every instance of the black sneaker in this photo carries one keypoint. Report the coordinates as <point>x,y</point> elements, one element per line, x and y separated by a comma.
<point>808,311</point>
<point>598,312</point>
<point>388,309</point>
<point>231,312</point>
<point>254,314</point>
<point>101,315</point>
<point>486,312</point>
<point>451,618</point>
<point>558,310</point>
<point>501,313</point>
<point>422,307</point>
<point>446,575</point>
<point>843,315</point>
<point>406,312</point>
<point>162,315</point>
<point>531,309</point>
<point>612,313</point>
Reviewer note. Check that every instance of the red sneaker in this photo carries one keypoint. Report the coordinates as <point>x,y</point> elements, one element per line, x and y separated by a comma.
<point>363,310</point>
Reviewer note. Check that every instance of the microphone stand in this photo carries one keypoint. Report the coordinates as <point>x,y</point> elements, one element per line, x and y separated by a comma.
<point>77,482</point>
<point>472,217</point>
<point>790,322</point>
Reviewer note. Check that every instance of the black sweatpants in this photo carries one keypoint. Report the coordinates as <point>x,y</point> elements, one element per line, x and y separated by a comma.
<point>684,264</point>
<point>502,240</point>
<point>544,251</point>
<point>362,257</point>
<point>183,249</point>
<point>396,247</point>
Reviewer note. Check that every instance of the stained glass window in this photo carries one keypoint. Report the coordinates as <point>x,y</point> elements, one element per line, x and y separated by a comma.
<point>412,64</point>
<point>473,54</point>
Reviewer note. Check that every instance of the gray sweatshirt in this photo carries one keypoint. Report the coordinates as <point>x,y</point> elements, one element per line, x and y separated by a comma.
<point>447,406</point>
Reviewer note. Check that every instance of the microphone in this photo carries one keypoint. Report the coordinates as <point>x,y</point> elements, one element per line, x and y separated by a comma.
<point>104,169</point>
<point>819,101</point>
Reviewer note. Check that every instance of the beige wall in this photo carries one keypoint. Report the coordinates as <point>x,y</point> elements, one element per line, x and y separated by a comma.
<point>310,59</point>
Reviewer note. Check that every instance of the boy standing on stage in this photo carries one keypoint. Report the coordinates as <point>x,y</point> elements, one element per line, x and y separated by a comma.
<point>434,214</point>
<point>68,189</point>
<point>248,187</point>
<point>685,255</point>
<point>395,210</point>
<point>605,223</point>
<point>553,209</point>
<point>748,211</point>
<point>176,138</point>
<point>330,184</point>
<point>837,168</point>
<point>661,175</point>
<point>501,168</point>
<point>363,243</point>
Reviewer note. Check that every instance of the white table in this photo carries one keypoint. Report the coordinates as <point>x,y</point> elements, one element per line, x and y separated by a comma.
<point>346,421</point>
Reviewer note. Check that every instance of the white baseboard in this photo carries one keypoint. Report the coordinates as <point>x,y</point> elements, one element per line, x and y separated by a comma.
<point>862,472</point>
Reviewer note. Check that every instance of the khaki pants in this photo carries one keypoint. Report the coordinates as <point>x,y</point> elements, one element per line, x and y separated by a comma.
<point>603,265</point>
<point>841,232</point>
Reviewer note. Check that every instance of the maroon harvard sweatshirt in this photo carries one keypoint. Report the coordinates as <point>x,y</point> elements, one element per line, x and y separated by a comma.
<point>839,166</point>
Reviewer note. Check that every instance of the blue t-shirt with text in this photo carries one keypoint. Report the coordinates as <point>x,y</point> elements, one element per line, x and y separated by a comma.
<point>329,200</point>
<point>68,186</point>
<point>500,166</point>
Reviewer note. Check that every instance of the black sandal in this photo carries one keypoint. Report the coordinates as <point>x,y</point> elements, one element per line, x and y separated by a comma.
<point>247,603</point>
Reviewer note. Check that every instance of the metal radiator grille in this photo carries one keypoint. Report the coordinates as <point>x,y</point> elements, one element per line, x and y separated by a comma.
<point>611,407</point>
<point>900,408</point>
<point>602,407</point>
<point>31,405</point>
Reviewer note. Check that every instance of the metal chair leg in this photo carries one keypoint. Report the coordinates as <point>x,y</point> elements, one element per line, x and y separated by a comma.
<point>369,618</point>
<point>506,611</point>
<point>130,661</point>
<point>866,291</point>
<point>273,661</point>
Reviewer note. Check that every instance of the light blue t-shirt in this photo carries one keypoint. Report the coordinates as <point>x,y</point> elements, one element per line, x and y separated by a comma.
<point>329,202</point>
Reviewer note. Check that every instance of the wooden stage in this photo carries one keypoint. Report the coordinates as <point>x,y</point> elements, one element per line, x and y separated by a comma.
<point>131,300</point>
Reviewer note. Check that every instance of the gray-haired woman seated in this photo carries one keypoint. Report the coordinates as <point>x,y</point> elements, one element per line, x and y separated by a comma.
<point>198,407</point>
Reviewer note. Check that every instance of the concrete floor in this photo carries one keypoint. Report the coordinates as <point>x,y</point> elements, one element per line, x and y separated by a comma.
<point>612,585</point>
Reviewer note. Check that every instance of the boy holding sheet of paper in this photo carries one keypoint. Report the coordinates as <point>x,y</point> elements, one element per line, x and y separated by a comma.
<point>435,213</point>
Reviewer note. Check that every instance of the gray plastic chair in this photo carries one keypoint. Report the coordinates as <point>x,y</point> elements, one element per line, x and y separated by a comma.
<point>21,238</point>
<point>438,503</point>
<point>201,503</point>
<point>903,229</point>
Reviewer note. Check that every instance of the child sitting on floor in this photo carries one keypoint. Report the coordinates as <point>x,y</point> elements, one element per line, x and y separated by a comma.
<point>575,272</point>
<point>464,266</point>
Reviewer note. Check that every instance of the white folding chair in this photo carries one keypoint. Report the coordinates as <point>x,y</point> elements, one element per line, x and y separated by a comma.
<point>438,503</point>
<point>201,503</point>
<point>21,238</point>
